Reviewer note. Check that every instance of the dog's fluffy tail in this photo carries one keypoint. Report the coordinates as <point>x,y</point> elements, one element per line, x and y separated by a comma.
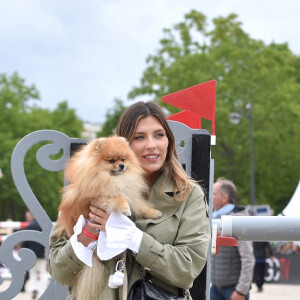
<point>90,281</point>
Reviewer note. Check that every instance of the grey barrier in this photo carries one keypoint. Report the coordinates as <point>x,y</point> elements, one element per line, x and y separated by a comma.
<point>186,139</point>
<point>259,228</point>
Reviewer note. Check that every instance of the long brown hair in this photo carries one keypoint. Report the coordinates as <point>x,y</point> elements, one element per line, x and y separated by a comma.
<point>172,168</point>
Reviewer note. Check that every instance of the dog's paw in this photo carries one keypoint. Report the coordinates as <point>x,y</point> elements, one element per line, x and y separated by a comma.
<point>152,214</point>
<point>157,214</point>
<point>127,212</point>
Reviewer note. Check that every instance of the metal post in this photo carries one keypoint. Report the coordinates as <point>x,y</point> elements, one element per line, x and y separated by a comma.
<point>252,167</point>
<point>201,172</point>
<point>235,119</point>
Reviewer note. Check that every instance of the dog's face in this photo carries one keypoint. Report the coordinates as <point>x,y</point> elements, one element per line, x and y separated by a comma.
<point>115,163</point>
<point>103,155</point>
<point>113,155</point>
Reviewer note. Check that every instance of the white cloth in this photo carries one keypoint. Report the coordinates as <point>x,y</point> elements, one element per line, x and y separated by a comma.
<point>121,234</point>
<point>85,254</point>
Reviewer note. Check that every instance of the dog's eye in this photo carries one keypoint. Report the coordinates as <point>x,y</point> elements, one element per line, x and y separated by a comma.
<point>111,161</point>
<point>123,159</point>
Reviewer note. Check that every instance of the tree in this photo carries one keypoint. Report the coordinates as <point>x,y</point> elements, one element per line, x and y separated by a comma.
<point>20,116</point>
<point>246,70</point>
<point>112,117</point>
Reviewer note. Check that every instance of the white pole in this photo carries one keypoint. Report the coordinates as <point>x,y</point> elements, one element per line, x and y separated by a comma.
<point>259,228</point>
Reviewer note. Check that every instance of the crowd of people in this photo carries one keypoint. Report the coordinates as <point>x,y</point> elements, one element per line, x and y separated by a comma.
<point>290,248</point>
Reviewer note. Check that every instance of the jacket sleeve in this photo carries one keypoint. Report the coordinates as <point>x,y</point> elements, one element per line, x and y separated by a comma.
<point>62,262</point>
<point>247,264</point>
<point>179,264</point>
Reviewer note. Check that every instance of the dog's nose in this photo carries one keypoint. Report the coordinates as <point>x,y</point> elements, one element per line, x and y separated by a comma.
<point>121,166</point>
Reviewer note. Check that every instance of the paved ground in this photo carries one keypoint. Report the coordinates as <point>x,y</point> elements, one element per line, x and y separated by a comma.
<point>270,292</point>
<point>276,291</point>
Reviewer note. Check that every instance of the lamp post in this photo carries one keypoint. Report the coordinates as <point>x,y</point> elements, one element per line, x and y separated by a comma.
<point>252,170</point>
<point>235,119</point>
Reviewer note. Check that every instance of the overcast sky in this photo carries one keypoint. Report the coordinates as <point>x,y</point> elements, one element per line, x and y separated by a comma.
<point>90,52</point>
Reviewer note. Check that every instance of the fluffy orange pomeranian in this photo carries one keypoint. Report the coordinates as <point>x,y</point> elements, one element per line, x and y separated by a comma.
<point>107,171</point>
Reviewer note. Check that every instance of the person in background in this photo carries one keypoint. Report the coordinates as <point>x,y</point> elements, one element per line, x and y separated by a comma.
<point>261,251</point>
<point>232,268</point>
<point>38,275</point>
<point>289,248</point>
<point>28,218</point>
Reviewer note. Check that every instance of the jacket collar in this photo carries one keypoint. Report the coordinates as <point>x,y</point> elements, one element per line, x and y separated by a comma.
<point>166,186</point>
<point>164,202</point>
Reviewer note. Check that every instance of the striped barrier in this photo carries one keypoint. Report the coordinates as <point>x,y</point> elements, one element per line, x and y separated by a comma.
<point>3,238</point>
<point>13,225</point>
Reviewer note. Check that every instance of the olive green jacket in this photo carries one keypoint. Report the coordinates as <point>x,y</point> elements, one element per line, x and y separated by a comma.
<point>174,247</point>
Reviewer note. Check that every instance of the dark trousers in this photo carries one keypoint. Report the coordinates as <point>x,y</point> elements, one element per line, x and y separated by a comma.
<point>222,293</point>
<point>25,279</point>
<point>259,274</point>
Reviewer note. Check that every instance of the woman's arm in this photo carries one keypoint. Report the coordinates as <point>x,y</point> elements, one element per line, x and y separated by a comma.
<point>179,264</point>
<point>62,262</point>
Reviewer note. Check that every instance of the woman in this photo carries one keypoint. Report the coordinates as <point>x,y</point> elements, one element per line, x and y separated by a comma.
<point>174,247</point>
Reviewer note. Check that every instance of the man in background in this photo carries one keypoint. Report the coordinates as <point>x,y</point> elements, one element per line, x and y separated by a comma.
<point>232,268</point>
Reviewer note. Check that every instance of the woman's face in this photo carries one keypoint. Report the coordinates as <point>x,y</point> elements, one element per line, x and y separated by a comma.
<point>150,144</point>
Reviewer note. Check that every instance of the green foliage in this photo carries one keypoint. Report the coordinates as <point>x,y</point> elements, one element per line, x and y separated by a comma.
<point>112,117</point>
<point>247,70</point>
<point>20,116</point>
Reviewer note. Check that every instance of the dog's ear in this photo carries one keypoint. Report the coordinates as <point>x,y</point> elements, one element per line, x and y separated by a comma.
<point>99,143</point>
<point>124,139</point>
<point>120,137</point>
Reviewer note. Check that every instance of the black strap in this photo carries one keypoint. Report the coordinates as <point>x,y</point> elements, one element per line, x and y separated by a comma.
<point>181,291</point>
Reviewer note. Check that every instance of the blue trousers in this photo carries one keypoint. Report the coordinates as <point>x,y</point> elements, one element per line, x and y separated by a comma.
<point>222,293</point>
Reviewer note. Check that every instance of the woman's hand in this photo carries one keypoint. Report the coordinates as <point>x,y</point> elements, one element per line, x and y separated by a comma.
<point>98,217</point>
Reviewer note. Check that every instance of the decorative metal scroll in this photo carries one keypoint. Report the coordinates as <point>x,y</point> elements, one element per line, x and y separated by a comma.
<point>59,141</point>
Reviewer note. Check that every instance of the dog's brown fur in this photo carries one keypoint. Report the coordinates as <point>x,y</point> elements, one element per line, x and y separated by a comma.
<point>96,172</point>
